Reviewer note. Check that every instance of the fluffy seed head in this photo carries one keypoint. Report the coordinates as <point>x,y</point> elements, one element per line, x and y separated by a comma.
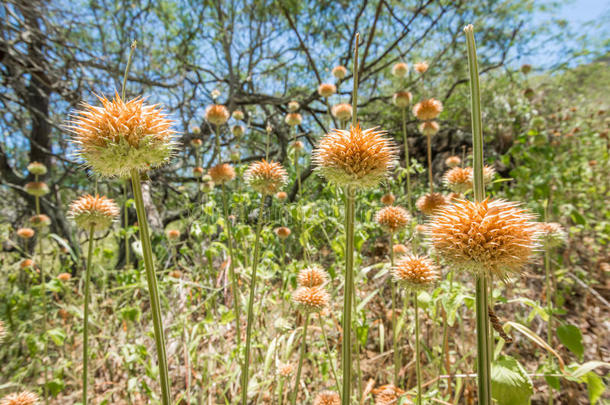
<point>173,235</point>
<point>415,272</point>
<point>388,199</point>
<point>428,203</point>
<point>327,89</point>
<point>196,143</point>
<point>339,72</point>
<point>313,276</point>
<point>121,136</point>
<point>282,232</point>
<point>429,128</point>
<point>222,173</point>
<point>458,179</point>
<point>238,115</point>
<point>453,161</point>
<point>356,158</point>
<point>489,237</point>
<point>327,398</point>
<point>27,264</point>
<point>428,109</point>
<point>402,99</point>
<point>311,299</point>
<point>37,169</point>
<point>281,195</point>
<point>421,67</point>
<point>400,249</point>
<point>63,277</point>
<point>217,114</point>
<point>551,234</point>
<point>266,177</point>
<point>25,233</point>
<point>40,221</point>
<point>293,106</point>
<point>238,130</point>
<point>392,218</point>
<point>400,69</point>
<point>22,398</point>
<point>343,111</point>
<point>37,188</point>
<point>97,211</point>
<point>293,119</point>
<point>198,171</point>
<point>285,370</point>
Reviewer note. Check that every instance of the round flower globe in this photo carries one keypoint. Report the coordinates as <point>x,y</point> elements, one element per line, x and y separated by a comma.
<point>26,233</point>
<point>93,211</point>
<point>238,115</point>
<point>37,188</point>
<point>400,70</point>
<point>298,145</point>
<point>427,109</point>
<point>400,249</point>
<point>37,169</point>
<point>266,177</point>
<point>173,235</point>
<point>327,89</point>
<point>343,111</point>
<point>392,218</point>
<point>453,161</point>
<point>551,234</point>
<point>293,119</point>
<point>458,179</point>
<point>429,128</point>
<point>198,171</point>
<point>388,199</point>
<point>402,99</point>
<point>429,203</point>
<point>40,221</point>
<point>196,143</point>
<point>421,67</point>
<point>222,173</point>
<point>282,232</point>
<point>281,195</point>
<point>311,299</point>
<point>64,277</point>
<point>327,398</point>
<point>238,130</point>
<point>27,264</point>
<point>312,276</point>
<point>339,72</point>
<point>22,398</point>
<point>415,272</point>
<point>293,106</point>
<point>217,114</point>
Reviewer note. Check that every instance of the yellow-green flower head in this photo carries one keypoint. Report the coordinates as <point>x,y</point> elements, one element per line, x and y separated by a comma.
<point>37,169</point>
<point>97,211</point>
<point>356,158</point>
<point>120,136</point>
<point>551,234</point>
<point>37,188</point>
<point>415,272</point>
<point>266,177</point>
<point>311,299</point>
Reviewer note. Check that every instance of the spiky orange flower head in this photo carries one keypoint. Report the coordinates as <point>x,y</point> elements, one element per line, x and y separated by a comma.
<point>400,249</point>
<point>356,158</point>
<point>327,89</point>
<point>429,128</point>
<point>415,272</point>
<point>25,233</point>
<point>37,169</point>
<point>551,234</point>
<point>339,72</point>
<point>281,195</point>
<point>217,114</point>
<point>388,199</point>
<point>222,173</point>
<point>311,299</point>
<point>488,174</point>
<point>400,69</point>
<point>196,143</point>
<point>293,119</point>
<point>37,188</point>
<point>298,145</point>
<point>388,395</point>
<point>313,276</point>
<point>27,264</point>
<point>402,99</point>
<point>40,221</point>
<point>238,130</point>
<point>198,171</point>
<point>122,136</point>
<point>428,203</point>
<point>489,237</point>
<point>343,111</point>
<point>285,369</point>
<point>22,398</point>
<point>458,179</point>
<point>421,229</point>
<point>421,67</point>
<point>63,277</point>
<point>282,232</point>
<point>238,115</point>
<point>453,161</point>
<point>327,398</point>
<point>173,235</point>
<point>428,109</point>
<point>293,106</point>
<point>266,177</point>
<point>392,218</point>
<point>98,211</point>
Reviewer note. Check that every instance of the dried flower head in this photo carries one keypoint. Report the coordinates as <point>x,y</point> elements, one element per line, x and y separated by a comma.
<point>281,195</point>
<point>311,299</point>
<point>37,188</point>
<point>526,68</point>
<point>392,218</point>
<point>40,221</point>
<point>22,398</point>
<point>327,89</point>
<point>293,119</point>
<point>493,236</point>
<point>327,398</point>
<point>400,69</point>
<point>25,233</point>
<point>122,136</point>
<point>428,203</point>
<point>285,370</point>
<point>453,161</point>
<point>173,235</point>
<point>388,395</point>
<point>293,106</point>
<point>89,211</point>
<point>282,232</point>
<point>2,331</point>
<point>196,143</point>
<point>343,111</point>
<point>388,199</point>
<point>313,276</point>
<point>429,128</point>
<point>27,264</point>
<point>63,277</point>
<point>217,114</point>
<point>428,109</point>
<point>402,99</point>
<point>421,67</point>
<point>266,177</point>
<point>400,249</point>
<point>238,115</point>
<point>198,171</point>
<point>222,173</point>
<point>488,174</point>
<point>551,234</point>
<point>339,72</point>
<point>458,179</point>
<point>298,145</point>
<point>238,130</point>
<point>415,272</point>
<point>356,158</point>
<point>37,169</point>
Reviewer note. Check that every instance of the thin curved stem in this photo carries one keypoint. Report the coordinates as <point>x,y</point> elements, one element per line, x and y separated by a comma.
<point>86,314</point>
<point>407,159</point>
<point>394,317</point>
<point>417,350</point>
<point>229,233</point>
<point>549,306</point>
<point>330,359</point>
<point>301,357</point>
<point>430,177</point>
<point>43,293</point>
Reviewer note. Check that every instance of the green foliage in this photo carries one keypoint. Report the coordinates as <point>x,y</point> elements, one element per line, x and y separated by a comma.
<point>510,383</point>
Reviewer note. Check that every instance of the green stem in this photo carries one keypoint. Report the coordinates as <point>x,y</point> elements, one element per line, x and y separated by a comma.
<point>131,51</point>
<point>549,305</point>
<point>417,349</point>
<point>346,349</point>
<point>246,364</point>
<point>430,177</point>
<point>301,357</point>
<point>394,317</point>
<point>357,346</point>
<point>281,392</point>
<point>44,307</point>
<point>86,314</point>
<point>330,358</point>
<point>153,290</point>
<point>126,224</point>
<point>407,159</point>
<point>229,232</point>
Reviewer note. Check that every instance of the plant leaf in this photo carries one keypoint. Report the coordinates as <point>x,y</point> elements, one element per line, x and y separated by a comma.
<point>510,383</point>
<point>570,337</point>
